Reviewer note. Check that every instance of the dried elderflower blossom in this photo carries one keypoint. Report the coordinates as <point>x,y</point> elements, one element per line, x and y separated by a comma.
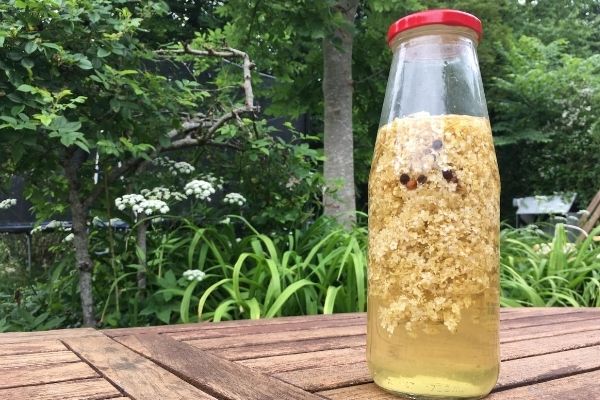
<point>433,221</point>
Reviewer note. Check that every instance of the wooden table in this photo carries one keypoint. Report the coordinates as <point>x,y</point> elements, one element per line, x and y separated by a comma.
<point>551,353</point>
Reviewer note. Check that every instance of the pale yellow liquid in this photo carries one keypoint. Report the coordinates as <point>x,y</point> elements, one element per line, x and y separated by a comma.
<point>459,365</point>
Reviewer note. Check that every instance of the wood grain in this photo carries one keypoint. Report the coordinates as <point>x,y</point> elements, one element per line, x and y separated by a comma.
<point>39,359</point>
<point>271,365</point>
<point>133,374</point>
<point>88,389</point>
<point>222,378</point>
<point>368,391</point>
<point>277,337</point>
<point>545,320</point>
<point>525,371</point>
<point>28,337</point>
<point>576,387</point>
<point>532,332</point>
<point>546,345</point>
<point>327,377</point>
<point>36,375</point>
<point>283,348</point>
<point>200,326</point>
<point>33,346</point>
<point>317,323</point>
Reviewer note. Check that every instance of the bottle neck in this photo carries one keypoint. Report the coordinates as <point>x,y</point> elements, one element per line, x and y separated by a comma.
<point>435,71</point>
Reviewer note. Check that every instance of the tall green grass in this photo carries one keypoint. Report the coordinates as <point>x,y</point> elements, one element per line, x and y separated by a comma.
<point>319,270</point>
<point>541,270</point>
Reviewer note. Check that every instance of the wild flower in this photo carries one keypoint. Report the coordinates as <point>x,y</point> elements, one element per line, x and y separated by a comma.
<point>7,203</point>
<point>174,167</point>
<point>69,237</point>
<point>200,189</point>
<point>234,198</point>
<point>162,193</point>
<point>194,275</point>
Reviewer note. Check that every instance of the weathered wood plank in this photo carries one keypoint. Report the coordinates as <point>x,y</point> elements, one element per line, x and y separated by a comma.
<point>42,374</point>
<point>275,337</point>
<point>88,389</point>
<point>533,332</point>
<point>283,348</point>
<point>576,387</point>
<point>524,312</point>
<point>39,359</point>
<point>546,345</point>
<point>244,331</point>
<point>529,370</point>
<point>513,373</point>
<point>367,391</point>
<point>327,377</point>
<point>33,346</point>
<point>222,378</point>
<point>293,362</point>
<point>230,324</point>
<point>548,319</point>
<point>28,337</point>
<point>133,374</point>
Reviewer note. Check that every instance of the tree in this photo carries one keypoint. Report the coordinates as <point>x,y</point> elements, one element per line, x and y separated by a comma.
<point>79,85</point>
<point>337,120</point>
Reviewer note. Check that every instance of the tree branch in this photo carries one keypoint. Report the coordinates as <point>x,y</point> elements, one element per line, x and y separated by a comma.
<point>188,135</point>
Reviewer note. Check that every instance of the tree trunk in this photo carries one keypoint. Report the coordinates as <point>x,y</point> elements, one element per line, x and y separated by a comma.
<point>80,236</point>
<point>142,255</point>
<point>339,198</point>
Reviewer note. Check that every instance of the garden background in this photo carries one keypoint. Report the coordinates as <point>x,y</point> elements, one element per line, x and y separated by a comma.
<point>210,130</point>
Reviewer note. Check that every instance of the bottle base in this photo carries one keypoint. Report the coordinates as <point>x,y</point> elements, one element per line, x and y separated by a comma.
<point>430,388</point>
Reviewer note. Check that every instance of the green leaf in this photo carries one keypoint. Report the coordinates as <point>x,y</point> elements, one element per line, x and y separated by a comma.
<point>84,63</point>
<point>30,47</point>
<point>115,104</point>
<point>102,52</point>
<point>25,88</point>
<point>27,63</point>
<point>53,46</point>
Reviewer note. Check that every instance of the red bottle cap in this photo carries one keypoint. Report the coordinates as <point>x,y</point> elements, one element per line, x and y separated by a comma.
<point>431,17</point>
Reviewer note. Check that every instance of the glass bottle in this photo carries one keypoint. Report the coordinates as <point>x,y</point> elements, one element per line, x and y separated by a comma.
<point>433,308</point>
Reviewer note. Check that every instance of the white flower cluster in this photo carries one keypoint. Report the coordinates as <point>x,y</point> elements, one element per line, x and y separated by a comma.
<point>8,203</point>
<point>150,207</point>
<point>216,181</point>
<point>128,201</point>
<point>194,275</point>
<point>174,167</point>
<point>162,193</point>
<point>234,198</point>
<point>69,238</point>
<point>54,224</point>
<point>140,205</point>
<point>200,189</point>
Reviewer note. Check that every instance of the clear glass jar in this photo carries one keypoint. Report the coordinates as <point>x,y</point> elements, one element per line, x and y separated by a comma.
<point>433,309</point>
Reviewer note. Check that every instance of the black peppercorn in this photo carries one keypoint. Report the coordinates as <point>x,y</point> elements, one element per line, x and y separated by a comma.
<point>404,178</point>
<point>422,179</point>
<point>437,144</point>
<point>448,174</point>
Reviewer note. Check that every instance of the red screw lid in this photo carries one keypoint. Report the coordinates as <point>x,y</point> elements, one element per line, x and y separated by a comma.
<point>431,17</point>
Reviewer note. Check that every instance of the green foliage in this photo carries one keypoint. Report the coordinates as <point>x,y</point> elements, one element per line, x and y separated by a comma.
<point>546,109</point>
<point>538,270</point>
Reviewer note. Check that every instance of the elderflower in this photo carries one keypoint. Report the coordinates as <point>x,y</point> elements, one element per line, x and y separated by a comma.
<point>69,238</point>
<point>128,201</point>
<point>174,167</point>
<point>216,181</point>
<point>200,189</point>
<point>162,193</point>
<point>150,207</point>
<point>8,203</point>
<point>234,198</point>
<point>194,275</point>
